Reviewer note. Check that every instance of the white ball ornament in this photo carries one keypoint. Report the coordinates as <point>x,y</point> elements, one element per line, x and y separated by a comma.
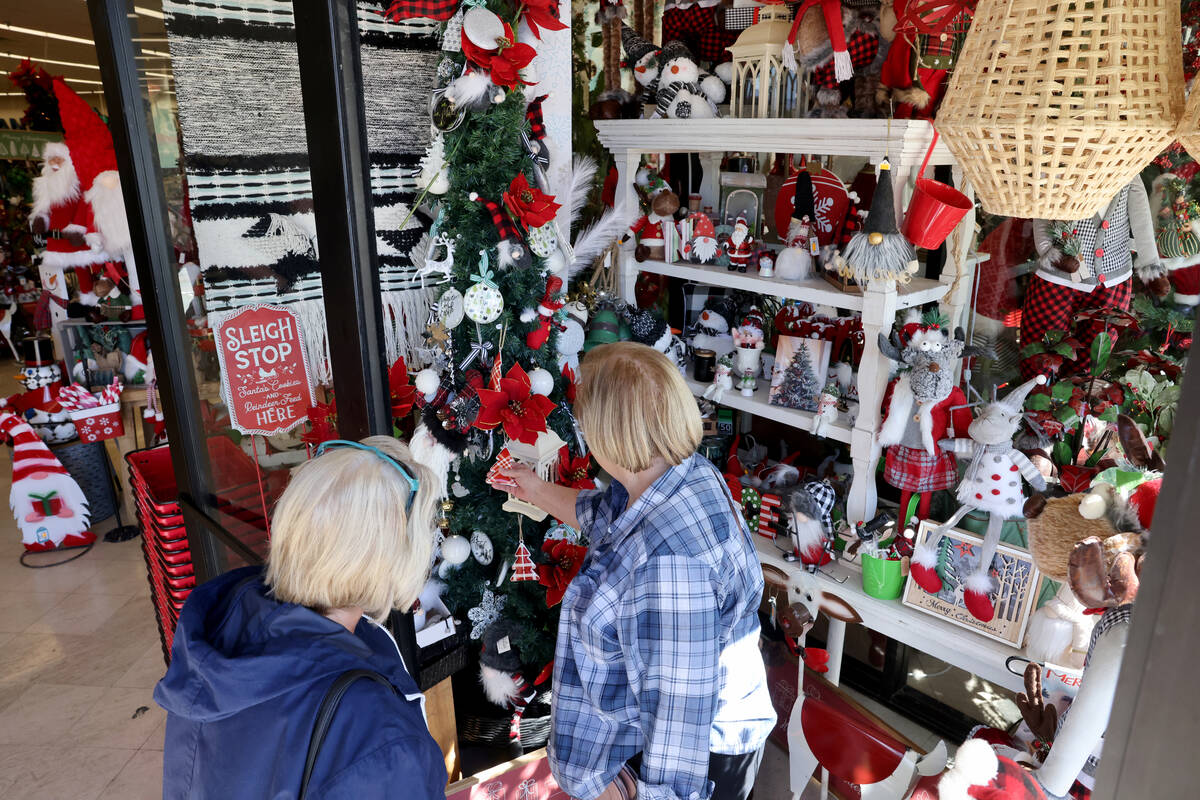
<point>793,264</point>
<point>541,381</point>
<point>427,382</point>
<point>456,549</point>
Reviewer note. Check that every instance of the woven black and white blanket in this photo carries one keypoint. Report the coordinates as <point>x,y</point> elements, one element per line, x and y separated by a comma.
<point>241,114</point>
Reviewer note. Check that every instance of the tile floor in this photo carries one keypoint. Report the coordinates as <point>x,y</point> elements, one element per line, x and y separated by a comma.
<point>79,657</point>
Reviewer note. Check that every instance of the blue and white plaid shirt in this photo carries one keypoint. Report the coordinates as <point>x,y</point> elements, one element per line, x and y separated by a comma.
<point>658,641</point>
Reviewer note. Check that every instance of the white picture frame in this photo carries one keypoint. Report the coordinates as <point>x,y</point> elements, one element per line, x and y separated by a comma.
<point>1013,600</point>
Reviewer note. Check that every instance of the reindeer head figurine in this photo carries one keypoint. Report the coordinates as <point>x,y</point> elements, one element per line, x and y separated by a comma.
<point>930,355</point>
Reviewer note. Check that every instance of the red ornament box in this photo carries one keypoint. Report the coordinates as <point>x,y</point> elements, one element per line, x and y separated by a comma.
<point>99,423</point>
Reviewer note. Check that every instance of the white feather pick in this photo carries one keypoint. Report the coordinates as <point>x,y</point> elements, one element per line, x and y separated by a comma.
<point>594,239</point>
<point>583,172</point>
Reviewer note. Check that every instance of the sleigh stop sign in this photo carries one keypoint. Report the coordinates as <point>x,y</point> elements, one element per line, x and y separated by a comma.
<point>264,375</point>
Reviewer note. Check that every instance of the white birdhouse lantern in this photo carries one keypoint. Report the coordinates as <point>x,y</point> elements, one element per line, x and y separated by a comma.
<point>762,86</point>
<point>542,458</point>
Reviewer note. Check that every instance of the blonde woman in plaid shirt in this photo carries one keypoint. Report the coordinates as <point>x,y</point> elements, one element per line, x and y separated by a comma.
<point>657,665</point>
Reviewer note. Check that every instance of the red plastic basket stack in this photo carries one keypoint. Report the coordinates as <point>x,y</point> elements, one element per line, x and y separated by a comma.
<point>164,537</point>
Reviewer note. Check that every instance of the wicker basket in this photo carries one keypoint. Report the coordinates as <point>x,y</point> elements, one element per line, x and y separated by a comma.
<point>1054,106</point>
<point>1189,126</point>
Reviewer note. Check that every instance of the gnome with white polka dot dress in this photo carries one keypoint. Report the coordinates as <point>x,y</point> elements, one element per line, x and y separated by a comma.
<point>992,483</point>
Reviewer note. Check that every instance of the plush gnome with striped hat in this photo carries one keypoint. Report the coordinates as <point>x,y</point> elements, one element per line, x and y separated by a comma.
<point>50,508</point>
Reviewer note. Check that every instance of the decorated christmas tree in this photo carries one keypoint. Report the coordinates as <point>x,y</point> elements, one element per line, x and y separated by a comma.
<point>799,387</point>
<point>495,384</point>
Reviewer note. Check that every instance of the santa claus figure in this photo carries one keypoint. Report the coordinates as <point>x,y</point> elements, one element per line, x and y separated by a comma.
<point>741,245</point>
<point>61,213</point>
<point>50,508</point>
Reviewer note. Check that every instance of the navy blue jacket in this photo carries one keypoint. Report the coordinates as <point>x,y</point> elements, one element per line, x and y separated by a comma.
<point>246,678</point>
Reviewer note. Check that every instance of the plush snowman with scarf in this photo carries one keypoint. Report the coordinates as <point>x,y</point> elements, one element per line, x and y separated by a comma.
<point>992,483</point>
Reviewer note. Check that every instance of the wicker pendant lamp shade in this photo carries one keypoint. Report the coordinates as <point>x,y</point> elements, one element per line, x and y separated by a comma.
<point>1054,106</point>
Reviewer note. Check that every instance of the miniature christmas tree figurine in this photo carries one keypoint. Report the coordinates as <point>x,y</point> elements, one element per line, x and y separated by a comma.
<point>523,568</point>
<point>799,388</point>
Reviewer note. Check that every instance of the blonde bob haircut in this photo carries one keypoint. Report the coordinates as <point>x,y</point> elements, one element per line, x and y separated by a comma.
<point>340,537</point>
<point>633,406</point>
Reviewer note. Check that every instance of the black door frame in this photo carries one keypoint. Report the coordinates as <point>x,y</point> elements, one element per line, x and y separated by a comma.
<point>331,84</point>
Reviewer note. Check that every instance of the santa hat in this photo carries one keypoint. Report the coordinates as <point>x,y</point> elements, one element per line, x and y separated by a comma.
<point>95,163</point>
<point>550,301</point>
<point>980,774</point>
<point>30,453</point>
<point>843,66</point>
<point>635,47</point>
<point>87,137</point>
<point>513,252</point>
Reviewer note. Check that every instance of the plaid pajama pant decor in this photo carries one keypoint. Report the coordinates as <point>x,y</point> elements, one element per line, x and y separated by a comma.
<point>1051,306</point>
<point>697,28</point>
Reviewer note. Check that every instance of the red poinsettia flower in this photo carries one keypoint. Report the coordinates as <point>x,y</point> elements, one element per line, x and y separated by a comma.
<point>543,13</point>
<point>321,417</point>
<point>402,392</point>
<point>529,205</point>
<point>573,472</point>
<point>565,560</point>
<point>522,413</point>
<point>504,61</point>
<point>1154,364</point>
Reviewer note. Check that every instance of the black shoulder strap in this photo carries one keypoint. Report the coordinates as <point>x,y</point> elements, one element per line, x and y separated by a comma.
<point>325,713</point>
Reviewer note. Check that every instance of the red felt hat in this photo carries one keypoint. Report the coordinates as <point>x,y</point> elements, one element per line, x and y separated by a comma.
<point>980,774</point>
<point>87,136</point>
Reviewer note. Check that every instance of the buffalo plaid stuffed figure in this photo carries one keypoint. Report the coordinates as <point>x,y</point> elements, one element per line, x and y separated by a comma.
<point>1098,277</point>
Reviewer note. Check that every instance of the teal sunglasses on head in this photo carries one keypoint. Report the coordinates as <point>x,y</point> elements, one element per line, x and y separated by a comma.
<point>413,483</point>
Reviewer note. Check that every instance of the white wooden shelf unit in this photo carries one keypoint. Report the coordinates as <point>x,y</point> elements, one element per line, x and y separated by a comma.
<point>905,143</point>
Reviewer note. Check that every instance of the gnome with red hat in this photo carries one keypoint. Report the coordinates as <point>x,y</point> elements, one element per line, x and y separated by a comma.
<point>50,508</point>
<point>979,773</point>
<point>550,303</point>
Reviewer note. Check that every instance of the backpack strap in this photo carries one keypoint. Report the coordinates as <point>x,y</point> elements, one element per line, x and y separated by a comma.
<point>329,705</point>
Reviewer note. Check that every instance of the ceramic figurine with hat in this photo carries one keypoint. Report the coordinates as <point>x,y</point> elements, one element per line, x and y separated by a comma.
<point>741,245</point>
<point>992,483</point>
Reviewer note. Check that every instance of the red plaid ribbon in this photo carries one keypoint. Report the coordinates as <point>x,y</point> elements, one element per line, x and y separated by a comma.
<point>537,126</point>
<point>441,10</point>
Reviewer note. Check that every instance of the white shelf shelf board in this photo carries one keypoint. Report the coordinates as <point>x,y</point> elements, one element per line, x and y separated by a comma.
<point>760,407</point>
<point>812,290</point>
<point>964,649</point>
<point>903,141</point>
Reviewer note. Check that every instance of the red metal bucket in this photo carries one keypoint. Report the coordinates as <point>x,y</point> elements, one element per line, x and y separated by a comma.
<point>935,209</point>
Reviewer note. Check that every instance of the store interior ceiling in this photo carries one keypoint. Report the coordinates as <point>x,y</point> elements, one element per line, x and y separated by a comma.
<point>58,35</point>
